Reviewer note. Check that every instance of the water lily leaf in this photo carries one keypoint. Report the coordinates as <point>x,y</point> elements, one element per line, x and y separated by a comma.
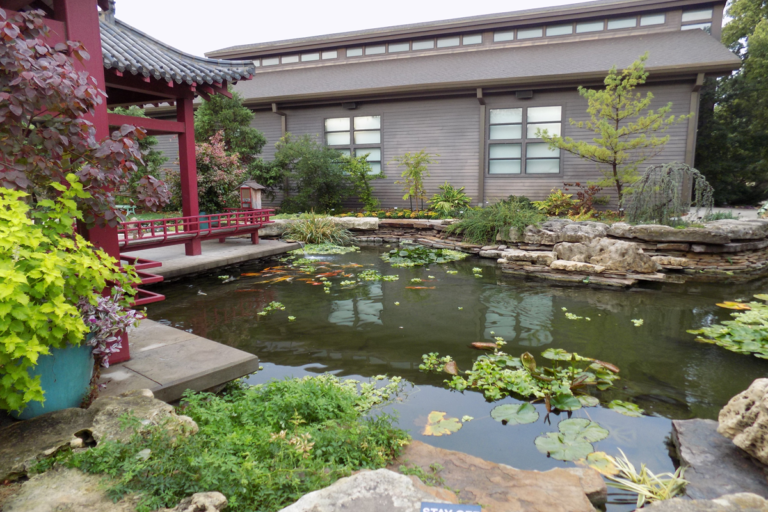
<point>762,296</point>
<point>626,408</point>
<point>582,429</point>
<point>439,425</point>
<point>560,447</point>
<point>734,305</point>
<point>565,402</point>
<point>588,400</point>
<point>451,368</point>
<point>515,414</point>
<point>528,361</point>
<point>557,354</point>
<point>600,462</point>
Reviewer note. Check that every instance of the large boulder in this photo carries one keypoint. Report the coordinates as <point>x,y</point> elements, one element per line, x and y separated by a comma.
<point>358,223</point>
<point>276,229</point>
<point>584,231</point>
<point>548,233</point>
<point>573,252</point>
<point>753,229</point>
<point>576,266</point>
<point>617,255</point>
<point>744,420</point>
<point>659,233</point>
<point>367,491</point>
<point>741,502</point>
<point>538,257</point>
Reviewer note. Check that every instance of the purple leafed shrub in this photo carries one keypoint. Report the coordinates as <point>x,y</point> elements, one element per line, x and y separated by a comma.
<point>107,319</point>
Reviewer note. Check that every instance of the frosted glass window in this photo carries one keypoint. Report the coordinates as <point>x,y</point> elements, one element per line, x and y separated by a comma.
<point>424,45</point>
<point>506,115</point>
<point>338,124</point>
<point>560,30</point>
<point>290,59</point>
<point>652,19</point>
<point>540,150</point>
<point>307,57</point>
<point>445,42</point>
<point>505,150</point>
<point>257,63</point>
<point>368,123</point>
<point>473,39</point>
<point>529,33</point>
<point>590,26</point>
<point>504,167</point>
<point>707,27</point>
<point>543,166</point>
<point>622,23</point>
<point>272,61</point>
<point>702,14</point>
<point>354,52</point>
<point>337,139</point>
<point>330,55</point>
<point>368,137</point>
<point>539,114</point>
<point>346,152</point>
<point>552,129</point>
<point>509,131</point>
<point>374,154</point>
<point>399,47</point>
<point>375,50</point>
<point>499,37</point>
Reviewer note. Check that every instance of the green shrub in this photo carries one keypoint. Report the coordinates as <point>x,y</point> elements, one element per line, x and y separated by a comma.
<point>263,447</point>
<point>556,204</point>
<point>449,199</point>
<point>413,176</point>
<point>359,171</point>
<point>317,229</point>
<point>482,225</point>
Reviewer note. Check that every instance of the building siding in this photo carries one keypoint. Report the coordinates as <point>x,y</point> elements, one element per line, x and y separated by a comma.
<point>169,145</point>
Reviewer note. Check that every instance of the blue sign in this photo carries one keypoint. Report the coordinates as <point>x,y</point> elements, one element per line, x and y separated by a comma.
<point>448,507</point>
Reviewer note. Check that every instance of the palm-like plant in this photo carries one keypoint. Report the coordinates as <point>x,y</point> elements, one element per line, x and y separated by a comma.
<point>648,486</point>
<point>449,199</point>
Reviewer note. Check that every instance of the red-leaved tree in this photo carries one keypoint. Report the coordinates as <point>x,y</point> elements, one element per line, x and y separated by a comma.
<point>43,134</point>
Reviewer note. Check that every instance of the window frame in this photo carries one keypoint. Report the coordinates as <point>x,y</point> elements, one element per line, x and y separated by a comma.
<point>523,141</point>
<point>353,148</point>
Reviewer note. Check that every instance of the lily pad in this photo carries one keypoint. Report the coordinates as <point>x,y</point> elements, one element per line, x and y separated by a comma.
<point>582,428</point>
<point>762,296</point>
<point>557,354</point>
<point>515,414</point>
<point>626,408</point>
<point>561,447</point>
<point>565,402</point>
<point>451,368</point>
<point>588,401</point>
<point>600,462</point>
<point>734,305</point>
<point>438,425</point>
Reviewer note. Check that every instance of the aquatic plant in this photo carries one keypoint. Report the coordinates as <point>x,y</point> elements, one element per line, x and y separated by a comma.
<point>438,425</point>
<point>263,447</point>
<point>515,414</point>
<point>318,229</point>
<point>272,306</point>
<point>573,441</point>
<point>374,275</point>
<point>417,255</point>
<point>648,486</point>
<point>325,249</point>
<point>747,333</point>
<point>483,225</point>
<point>626,408</point>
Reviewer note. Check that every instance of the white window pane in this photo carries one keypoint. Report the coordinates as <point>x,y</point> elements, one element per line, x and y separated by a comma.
<point>330,55</point>
<point>399,47</point>
<point>589,26</point>
<point>499,37</point>
<point>702,14</point>
<point>703,26</point>
<point>368,123</point>
<point>310,57</point>
<point>370,137</point>
<point>290,59</point>
<point>505,150</point>
<point>424,45</point>
<point>622,23</point>
<point>539,114</point>
<point>504,167</point>
<point>375,50</point>
<point>445,42</point>
<point>473,39</point>
<point>552,129</point>
<point>257,63</point>
<point>272,61</point>
<point>560,30</point>
<point>652,19</point>
<point>540,150</point>
<point>529,33</point>
<point>338,124</point>
<point>346,152</point>
<point>374,154</point>
<point>512,131</point>
<point>548,166</point>
<point>354,52</point>
<point>375,168</point>
<point>337,139</point>
<point>506,115</point>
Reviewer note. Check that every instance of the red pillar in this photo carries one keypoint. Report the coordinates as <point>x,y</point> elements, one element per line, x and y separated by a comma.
<point>82,22</point>
<point>189,205</point>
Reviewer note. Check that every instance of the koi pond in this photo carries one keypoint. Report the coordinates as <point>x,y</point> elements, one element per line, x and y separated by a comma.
<point>334,320</point>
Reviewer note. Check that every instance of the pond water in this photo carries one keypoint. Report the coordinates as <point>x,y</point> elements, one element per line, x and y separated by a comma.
<point>361,332</point>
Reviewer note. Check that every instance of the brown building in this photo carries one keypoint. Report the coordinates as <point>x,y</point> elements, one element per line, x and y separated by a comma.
<point>474,90</point>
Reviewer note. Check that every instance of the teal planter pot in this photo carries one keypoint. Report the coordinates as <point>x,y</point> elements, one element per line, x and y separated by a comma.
<point>203,225</point>
<point>65,376</point>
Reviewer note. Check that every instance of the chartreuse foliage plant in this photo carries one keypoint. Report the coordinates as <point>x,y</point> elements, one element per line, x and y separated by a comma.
<point>45,270</point>
<point>263,447</point>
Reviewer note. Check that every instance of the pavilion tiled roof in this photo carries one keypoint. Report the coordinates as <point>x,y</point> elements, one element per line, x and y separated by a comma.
<point>127,49</point>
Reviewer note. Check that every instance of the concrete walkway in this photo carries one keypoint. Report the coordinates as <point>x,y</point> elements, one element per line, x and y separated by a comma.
<point>742,213</point>
<point>169,361</point>
<point>234,250</point>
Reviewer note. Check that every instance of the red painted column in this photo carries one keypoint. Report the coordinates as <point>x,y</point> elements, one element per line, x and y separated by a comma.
<point>188,165</point>
<point>82,21</point>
